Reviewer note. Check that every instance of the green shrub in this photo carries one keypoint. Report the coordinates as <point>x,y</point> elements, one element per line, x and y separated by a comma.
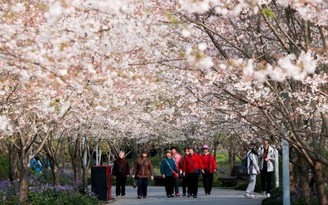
<point>61,197</point>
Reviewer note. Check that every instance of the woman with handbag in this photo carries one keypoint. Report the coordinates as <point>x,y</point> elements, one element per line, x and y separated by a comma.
<point>169,172</point>
<point>141,170</point>
<point>209,168</point>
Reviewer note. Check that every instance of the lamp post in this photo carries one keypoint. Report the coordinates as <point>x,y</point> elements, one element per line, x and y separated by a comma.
<point>285,172</point>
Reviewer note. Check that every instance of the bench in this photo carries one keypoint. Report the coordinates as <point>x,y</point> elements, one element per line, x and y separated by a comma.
<point>234,177</point>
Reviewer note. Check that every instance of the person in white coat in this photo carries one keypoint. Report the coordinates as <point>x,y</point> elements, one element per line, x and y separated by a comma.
<point>267,159</point>
<point>252,169</point>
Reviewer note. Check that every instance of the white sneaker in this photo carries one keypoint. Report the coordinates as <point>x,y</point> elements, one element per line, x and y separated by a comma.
<point>268,195</point>
<point>263,194</point>
<point>247,195</point>
<point>251,196</point>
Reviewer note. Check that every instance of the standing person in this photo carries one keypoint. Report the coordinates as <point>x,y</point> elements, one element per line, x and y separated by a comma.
<point>168,170</point>
<point>184,178</point>
<point>192,168</point>
<point>266,157</point>
<point>252,169</point>
<point>121,169</point>
<point>36,164</point>
<point>209,165</point>
<point>178,160</point>
<point>141,170</point>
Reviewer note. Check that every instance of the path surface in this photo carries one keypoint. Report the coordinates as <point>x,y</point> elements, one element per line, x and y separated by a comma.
<point>157,196</point>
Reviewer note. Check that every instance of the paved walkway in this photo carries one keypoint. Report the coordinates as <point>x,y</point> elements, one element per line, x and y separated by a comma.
<point>157,196</point>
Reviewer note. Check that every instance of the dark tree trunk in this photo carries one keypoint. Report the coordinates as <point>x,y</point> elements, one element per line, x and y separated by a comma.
<point>232,158</point>
<point>13,163</point>
<point>320,184</point>
<point>23,179</point>
<point>74,151</point>
<point>85,179</point>
<point>76,170</point>
<point>293,177</point>
<point>304,181</point>
<point>54,171</point>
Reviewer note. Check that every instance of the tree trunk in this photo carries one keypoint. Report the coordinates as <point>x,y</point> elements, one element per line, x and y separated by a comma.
<point>85,179</point>
<point>304,181</point>
<point>319,183</point>
<point>292,177</point>
<point>54,171</point>
<point>76,170</point>
<point>231,159</point>
<point>23,179</point>
<point>74,151</point>
<point>13,163</point>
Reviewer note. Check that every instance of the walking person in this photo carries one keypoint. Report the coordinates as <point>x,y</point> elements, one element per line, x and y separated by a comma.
<point>184,177</point>
<point>252,169</point>
<point>192,168</point>
<point>267,158</point>
<point>142,169</point>
<point>209,166</point>
<point>121,169</point>
<point>169,172</point>
<point>178,163</point>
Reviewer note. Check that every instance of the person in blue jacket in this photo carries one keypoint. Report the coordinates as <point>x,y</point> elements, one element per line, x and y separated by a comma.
<point>36,165</point>
<point>168,171</point>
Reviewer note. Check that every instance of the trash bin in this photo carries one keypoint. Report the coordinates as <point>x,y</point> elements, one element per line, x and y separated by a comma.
<point>100,182</point>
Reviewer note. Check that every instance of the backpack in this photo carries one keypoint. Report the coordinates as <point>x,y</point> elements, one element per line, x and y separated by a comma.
<point>243,166</point>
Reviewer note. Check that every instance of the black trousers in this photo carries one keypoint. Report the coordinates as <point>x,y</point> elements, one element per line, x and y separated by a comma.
<point>142,186</point>
<point>266,181</point>
<point>169,185</point>
<point>184,185</point>
<point>208,182</point>
<point>176,185</point>
<point>120,185</point>
<point>192,183</point>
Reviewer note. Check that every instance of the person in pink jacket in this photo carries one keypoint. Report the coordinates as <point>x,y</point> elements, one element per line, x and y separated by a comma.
<point>209,167</point>
<point>178,163</point>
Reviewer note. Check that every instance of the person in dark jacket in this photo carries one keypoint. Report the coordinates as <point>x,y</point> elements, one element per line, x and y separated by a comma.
<point>121,169</point>
<point>192,168</point>
<point>168,170</point>
<point>210,167</point>
<point>141,170</point>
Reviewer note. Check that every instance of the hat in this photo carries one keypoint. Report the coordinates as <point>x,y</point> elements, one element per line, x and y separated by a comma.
<point>266,138</point>
<point>205,146</point>
<point>168,151</point>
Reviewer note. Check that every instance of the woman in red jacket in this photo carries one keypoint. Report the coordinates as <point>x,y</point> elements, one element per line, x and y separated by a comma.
<point>192,168</point>
<point>209,165</point>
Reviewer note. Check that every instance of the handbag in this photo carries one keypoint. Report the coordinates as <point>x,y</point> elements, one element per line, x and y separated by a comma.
<point>196,171</point>
<point>133,183</point>
<point>175,174</point>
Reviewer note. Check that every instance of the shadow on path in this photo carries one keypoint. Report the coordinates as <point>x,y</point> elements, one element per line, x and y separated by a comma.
<point>157,196</point>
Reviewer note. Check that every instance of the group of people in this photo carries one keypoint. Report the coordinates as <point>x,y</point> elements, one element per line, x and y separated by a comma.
<point>188,168</point>
<point>174,167</point>
<point>260,161</point>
